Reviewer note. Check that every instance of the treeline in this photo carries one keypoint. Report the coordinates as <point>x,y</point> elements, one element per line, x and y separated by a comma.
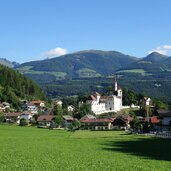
<point>14,87</point>
<point>155,86</point>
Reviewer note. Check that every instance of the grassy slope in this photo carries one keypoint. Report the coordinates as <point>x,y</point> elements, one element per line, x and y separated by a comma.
<point>38,149</point>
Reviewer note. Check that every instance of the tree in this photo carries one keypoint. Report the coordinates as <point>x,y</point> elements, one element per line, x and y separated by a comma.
<point>83,110</point>
<point>59,120</point>
<point>23,122</point>
<point>136,125</point>
<point>57,110</point>
<point>160,105</point>
<point>74,125</point>
<point>2,117</point>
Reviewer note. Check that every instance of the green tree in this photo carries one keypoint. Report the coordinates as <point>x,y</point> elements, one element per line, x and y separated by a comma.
<point>59,120</point>
<point>57,110</point>
<point>83,110</point>
<point>23,122</point>
<point>2,117</point>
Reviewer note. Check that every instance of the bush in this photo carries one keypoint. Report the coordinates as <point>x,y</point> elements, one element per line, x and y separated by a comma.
<point>23,122</point>
<point>2,117</point>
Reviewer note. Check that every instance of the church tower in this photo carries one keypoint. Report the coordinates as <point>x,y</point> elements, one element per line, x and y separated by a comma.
<point>115,85</point>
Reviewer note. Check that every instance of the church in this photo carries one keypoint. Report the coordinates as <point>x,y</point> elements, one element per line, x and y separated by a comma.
<point>104,104</point>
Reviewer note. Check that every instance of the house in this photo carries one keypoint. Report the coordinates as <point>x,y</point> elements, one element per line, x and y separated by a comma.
<point>58,102</point>
<point>104,104</point>
<point>147,101</point>
<point>38,103</point>
<point>26,116</point>
<point>70,108</point>
<point>30,107</point>
<point>67,120</point>
<point>13,117</point>
<point>2,108</point>
<point>156,122</point>
<point>122,122</point>
<point>6,105</point>
<point>96,124</point>
<point>165,123</point>
<point>87,117</point>
<point>45,120</point>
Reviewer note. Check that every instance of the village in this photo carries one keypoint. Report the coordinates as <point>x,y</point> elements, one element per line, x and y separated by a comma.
<point>96,113</point>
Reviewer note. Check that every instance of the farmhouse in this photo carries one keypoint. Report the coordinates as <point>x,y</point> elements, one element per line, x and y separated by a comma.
<point>13,117</point>
<point>67,120</point>
<point>38,103</point>
<point>96,123</point>
<point>165,116</point>
<point>103,104</point>
<point>45,120</point>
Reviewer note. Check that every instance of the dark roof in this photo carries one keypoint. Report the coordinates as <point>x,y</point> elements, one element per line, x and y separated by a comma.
<point>162,112</point>
<point>43,118</point>
<point>13,114</point>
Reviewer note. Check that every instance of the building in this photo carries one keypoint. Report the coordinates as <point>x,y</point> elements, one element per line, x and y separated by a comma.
<point>96,123</point>
<point>67,120</point>
<point>104,104</point>
<point>165,120</point>
<point>70,108</point>
<point>13,117</point>
<point>45,120</point>
<point>38,103</point>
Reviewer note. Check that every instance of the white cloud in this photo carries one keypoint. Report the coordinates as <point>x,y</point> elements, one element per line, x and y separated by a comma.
<point>165,49</point>
<point>55,52</point>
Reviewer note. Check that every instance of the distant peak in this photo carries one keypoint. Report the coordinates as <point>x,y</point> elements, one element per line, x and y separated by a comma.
<point>157,53</point>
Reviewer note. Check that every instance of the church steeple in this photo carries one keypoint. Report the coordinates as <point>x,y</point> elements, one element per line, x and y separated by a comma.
<point>115,84</point>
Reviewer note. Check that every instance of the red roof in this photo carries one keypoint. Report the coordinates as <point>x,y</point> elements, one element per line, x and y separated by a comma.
<point>154,120</point>
<point>48,118</point>
<point>108,120</point>
<point>37,101</point>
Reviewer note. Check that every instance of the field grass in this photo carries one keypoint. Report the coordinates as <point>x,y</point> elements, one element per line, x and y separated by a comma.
<point>27,148</point>
<point>141,71</point>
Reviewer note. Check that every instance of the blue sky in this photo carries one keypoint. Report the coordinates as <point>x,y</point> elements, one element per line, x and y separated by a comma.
<point>36,29</point>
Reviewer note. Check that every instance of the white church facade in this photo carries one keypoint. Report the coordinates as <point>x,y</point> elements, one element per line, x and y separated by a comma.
<point>104,104</point>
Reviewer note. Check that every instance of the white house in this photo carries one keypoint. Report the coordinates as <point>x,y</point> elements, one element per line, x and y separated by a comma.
<point>58,102</point>
<point>70,108</point>
<point>26,116</point>
<point>103,104</point>
<point>31,108</point>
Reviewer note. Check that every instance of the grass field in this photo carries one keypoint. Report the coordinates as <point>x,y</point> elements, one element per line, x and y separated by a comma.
<point>26,148</point>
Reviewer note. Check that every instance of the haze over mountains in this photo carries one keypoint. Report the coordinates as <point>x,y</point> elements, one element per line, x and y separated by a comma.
<point>8,63</point>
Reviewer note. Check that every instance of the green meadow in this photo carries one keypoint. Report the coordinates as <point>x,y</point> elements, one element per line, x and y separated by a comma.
<point>28,148</point>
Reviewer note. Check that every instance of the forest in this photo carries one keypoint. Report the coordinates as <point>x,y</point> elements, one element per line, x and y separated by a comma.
<point>15,87</point>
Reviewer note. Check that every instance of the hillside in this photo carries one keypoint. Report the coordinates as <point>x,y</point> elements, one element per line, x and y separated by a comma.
<point>91,70</point>
<point>90,63</point>
<point>14,87</point>
<point>154,62</point>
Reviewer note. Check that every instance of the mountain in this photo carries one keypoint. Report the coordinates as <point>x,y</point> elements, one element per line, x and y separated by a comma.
<point>155,57</point>
<point>89,63</point>
<point>91,70</point>
<point>15,86</point>
<point>8,63</point>
<point>154,62</point>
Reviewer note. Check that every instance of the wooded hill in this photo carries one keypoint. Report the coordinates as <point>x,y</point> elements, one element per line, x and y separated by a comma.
<point>15,87</point>
<point>93,63</point>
